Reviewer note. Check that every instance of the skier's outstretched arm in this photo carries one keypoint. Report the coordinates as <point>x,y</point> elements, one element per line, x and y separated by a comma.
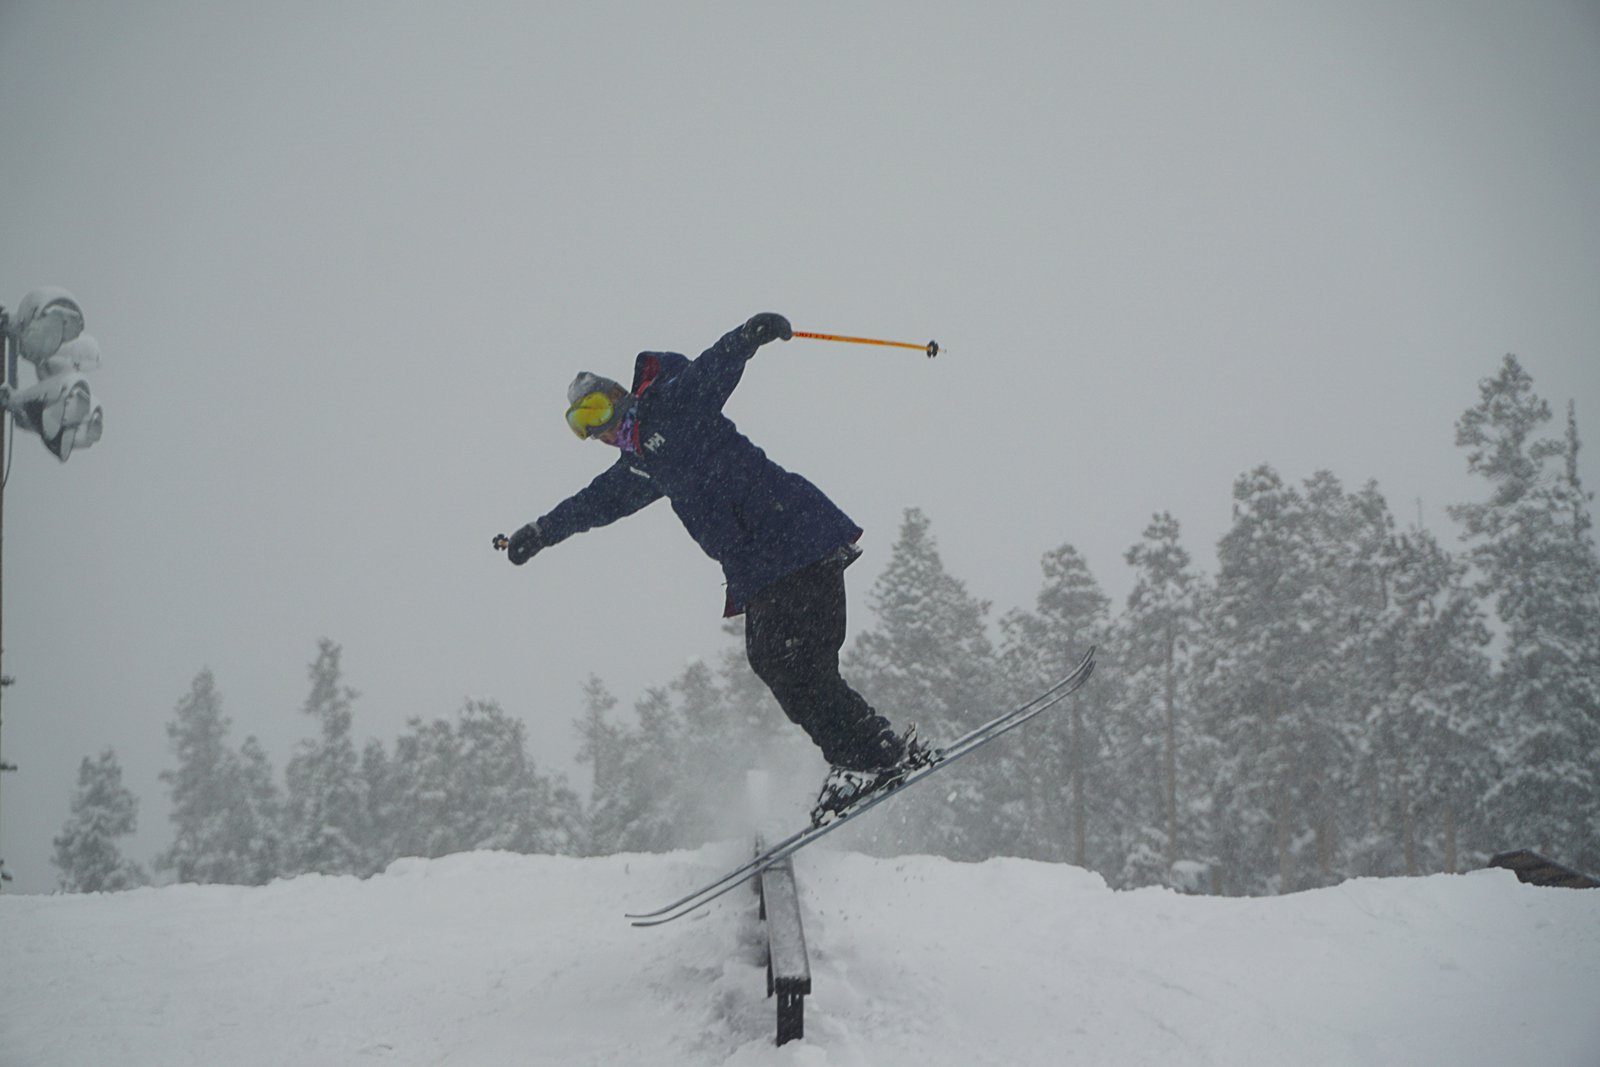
<point>710,379</point>
<point>617,492</point>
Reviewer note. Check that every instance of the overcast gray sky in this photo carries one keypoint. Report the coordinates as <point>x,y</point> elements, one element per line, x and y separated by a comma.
<point>343,258</point>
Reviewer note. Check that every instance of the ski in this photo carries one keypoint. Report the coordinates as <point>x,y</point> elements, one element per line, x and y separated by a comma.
<point>788,846</point>
<point>972,739</point>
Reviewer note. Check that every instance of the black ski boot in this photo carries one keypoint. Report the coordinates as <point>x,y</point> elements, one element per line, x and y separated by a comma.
<point>846,787</point>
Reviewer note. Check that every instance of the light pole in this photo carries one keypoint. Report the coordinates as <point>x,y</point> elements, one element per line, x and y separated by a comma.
<point>47,331</point>
<point>5,384</point>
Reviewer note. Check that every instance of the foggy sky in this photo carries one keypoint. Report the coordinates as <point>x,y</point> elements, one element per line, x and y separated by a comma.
<point>342,260</point>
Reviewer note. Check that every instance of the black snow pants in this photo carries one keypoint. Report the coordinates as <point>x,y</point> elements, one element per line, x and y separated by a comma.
<point>793,631</point>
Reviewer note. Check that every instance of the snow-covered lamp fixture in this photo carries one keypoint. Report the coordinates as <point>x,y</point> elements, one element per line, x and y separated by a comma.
<point>47,331</point>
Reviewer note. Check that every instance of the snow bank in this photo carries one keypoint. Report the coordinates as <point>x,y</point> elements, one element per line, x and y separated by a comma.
<point>491,958</point>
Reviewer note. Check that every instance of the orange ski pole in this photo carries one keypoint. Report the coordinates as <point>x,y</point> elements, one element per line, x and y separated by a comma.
<point>932,347</point>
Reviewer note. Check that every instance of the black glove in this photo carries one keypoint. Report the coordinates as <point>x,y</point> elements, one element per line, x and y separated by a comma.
<point>766,326</point>
<point>524,544</point>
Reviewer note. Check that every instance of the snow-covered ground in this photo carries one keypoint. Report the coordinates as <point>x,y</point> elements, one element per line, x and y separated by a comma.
<point>492,958</point>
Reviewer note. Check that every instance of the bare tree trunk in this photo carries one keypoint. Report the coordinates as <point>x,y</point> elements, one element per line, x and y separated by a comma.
<point>1324,850</point>
<point>1281,801</point>
<point>1283,833</point>
<point>1408,832</point>
<point>1080,822</point>
<point>1172,751</point>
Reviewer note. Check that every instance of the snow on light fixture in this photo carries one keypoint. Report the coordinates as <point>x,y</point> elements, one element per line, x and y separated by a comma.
<point>47,331</point>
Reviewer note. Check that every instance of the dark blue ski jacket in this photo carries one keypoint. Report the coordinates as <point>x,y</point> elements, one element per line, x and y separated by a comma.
<point>759,521</point>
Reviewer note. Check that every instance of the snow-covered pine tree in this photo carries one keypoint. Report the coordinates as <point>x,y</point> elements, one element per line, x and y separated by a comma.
<point>382,788</point>
<point>103,810</point>
<point>928,660</point>
<point>1428,751</point>
<point>325,809</point>
<point>1582,624</point>
<point>1278,675</point>
<point>501,801</point>
<point>420,795</point>
<point>713,749</point>
<point>200,786</point>
<point>492,802</point>
<point>255,832</point>
<point>562,825</point>
<point>224,815</point>
<point>465,785</point>
<point>1161,753</point>
<point>929,656</point>
<point>1535,555</point>
<point>600,745</point>
<point>707,728</point>
<point>1243,685</point>
<point>651,808</point>
<point>1349,532</point>
<point>1060,775</point>
<point>676,776</point>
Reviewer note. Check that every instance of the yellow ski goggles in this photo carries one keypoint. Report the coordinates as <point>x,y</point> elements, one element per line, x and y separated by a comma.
<point>592,415</point>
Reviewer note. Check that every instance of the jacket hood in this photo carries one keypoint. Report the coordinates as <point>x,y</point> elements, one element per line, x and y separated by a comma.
<point>648,366</point>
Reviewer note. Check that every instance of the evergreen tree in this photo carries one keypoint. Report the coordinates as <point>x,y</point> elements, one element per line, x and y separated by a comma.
<point>385,805</point>
<point>422,790</point>
<point>929,655</point>
<point>468,785</point>
<point>928,660</point>
<point>676,778</point>
<point>651,806</point>
<point>1060,777</point>
<point>1533,549</point>
<point>601,746</point>
<point>1429,756</point>
<point>200,786</point>
<point>224,807</point>
<point>1349,533</point>
<point>495,793</point>
<point>1241,690</point>
<point>325,810</point>
<point>1279,675</point>
<point>1161,752</point>
<point>256,824</point>
<point>103,810</point>
<point>715,745</point>
<point>502,801</point>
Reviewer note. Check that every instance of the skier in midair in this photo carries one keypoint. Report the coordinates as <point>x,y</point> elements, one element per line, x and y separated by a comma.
<point>783,545</point>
